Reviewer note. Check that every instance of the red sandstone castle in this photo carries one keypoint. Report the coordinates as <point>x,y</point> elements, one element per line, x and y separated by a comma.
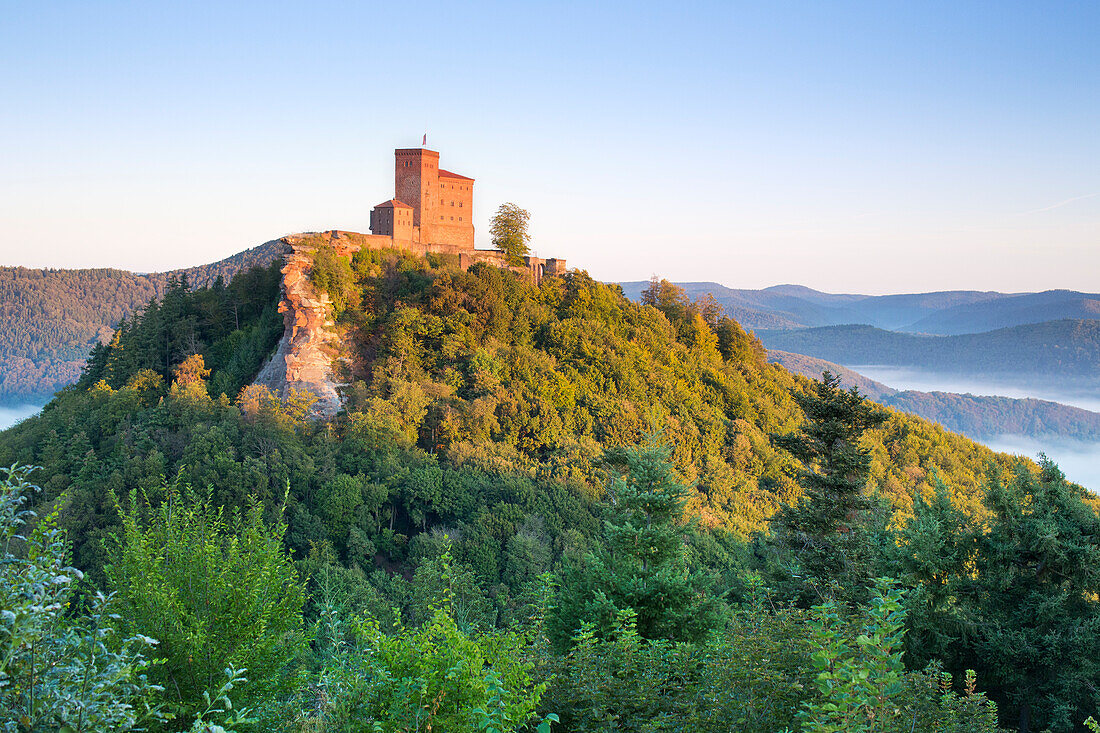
<point>432,211</point>
<point>429,205</point>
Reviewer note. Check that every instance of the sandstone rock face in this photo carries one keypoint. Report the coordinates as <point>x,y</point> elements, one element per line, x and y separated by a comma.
<point>303,359</point>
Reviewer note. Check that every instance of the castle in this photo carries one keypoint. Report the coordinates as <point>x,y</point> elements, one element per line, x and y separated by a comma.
<point>432,211</point>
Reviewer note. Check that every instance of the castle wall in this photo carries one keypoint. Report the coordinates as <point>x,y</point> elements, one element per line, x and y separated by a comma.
<point>440,217</point>
<point>453,218</point>
<point>347,244</point>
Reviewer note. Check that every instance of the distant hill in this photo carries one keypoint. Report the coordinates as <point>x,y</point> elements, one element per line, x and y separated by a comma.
<point>1066,349</point>
<point>53,317</point>
<point>941,313</point>
<point>975,416</point>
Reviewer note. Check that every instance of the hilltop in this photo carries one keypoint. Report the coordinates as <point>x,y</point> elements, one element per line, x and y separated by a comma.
<point>477,369</point>
<point>53,317</point>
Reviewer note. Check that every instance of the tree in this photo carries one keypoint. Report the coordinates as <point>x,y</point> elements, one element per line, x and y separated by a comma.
<point>641,564</point>
<point>1017,599</point>
<point>192,370</point>
<point>216,588</point>
<point>1038,573</point>
<point>824,531</point>
<point>508,228</point>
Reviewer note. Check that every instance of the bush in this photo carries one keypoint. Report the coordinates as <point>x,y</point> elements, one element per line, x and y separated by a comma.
<point>61,672</point>
<point>219,591</point>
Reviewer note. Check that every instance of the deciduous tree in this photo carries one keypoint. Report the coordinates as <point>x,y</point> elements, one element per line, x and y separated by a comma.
<point>508,228</point>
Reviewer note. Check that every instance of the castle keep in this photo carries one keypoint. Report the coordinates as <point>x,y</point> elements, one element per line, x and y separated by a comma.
<point>432,211</point>
<point>429,205</point>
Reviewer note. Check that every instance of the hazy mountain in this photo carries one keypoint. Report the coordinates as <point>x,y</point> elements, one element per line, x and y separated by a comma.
<point>941,313</point>
<point>1065,349</point>
<point>53,317</point>
<point>977,417</point>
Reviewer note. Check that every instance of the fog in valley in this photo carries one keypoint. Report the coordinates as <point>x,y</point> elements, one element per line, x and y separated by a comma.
<point>1079,460</point>
<point>11,415</point>
<point>1087,397</point>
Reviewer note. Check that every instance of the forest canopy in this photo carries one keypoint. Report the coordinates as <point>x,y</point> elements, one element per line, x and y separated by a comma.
<point>493,531</point>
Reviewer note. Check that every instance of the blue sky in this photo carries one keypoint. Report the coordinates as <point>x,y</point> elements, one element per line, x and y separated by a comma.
<point>861,147</point>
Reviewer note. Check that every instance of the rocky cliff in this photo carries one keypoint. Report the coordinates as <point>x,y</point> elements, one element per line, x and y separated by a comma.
<point>304,358</point>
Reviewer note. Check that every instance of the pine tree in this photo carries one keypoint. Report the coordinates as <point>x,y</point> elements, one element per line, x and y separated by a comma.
<point>641,563</point>
<point>1032,602</point>
<point>825,534</point>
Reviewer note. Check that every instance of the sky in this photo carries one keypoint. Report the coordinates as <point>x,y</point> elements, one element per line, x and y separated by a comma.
<point>870,147</point>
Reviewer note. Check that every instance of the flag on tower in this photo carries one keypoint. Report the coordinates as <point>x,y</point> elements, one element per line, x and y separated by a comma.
<point>424,143</point>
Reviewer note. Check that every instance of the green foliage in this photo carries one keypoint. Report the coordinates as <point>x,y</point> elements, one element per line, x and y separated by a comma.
<point>60,670</point>
<point>640,567</point>
<point>220,705</point>
<point>232,327</point>
<point>508,230</point>
<point>1017,599</point>
<point>483,414</point>
<point>749,678</point>
<point>330,273</point>
<point>54,317</point>
<point>861,684</point>
<point>437,676</point>
<point>215,587</point>
<point>857,683</point>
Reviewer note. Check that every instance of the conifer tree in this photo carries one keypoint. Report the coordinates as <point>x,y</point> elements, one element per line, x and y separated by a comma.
<point>641,563</point>
<point>825,532</point>
<point>1033,608</point>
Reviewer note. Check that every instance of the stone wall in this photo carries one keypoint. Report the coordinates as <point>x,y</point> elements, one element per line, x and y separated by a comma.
<point>348,243</point>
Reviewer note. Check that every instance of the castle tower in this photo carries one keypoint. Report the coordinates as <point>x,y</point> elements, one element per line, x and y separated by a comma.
<point>416,182</point>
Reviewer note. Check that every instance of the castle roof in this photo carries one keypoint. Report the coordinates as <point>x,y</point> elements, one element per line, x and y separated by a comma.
<point>393,204</point>
<point>448,174</point>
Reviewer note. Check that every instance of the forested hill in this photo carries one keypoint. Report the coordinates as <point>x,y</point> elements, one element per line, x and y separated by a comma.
<point>53,317</point>
<point>454,369</point>
<point>499,519</point>
<point>1063,349</point>
<point>972,415</point>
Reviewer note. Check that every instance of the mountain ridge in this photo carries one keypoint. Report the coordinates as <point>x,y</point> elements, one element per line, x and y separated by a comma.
<point>975,416</point>
<point>1067,348</point>
<point>947,312</point>
<point>55,316</point>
